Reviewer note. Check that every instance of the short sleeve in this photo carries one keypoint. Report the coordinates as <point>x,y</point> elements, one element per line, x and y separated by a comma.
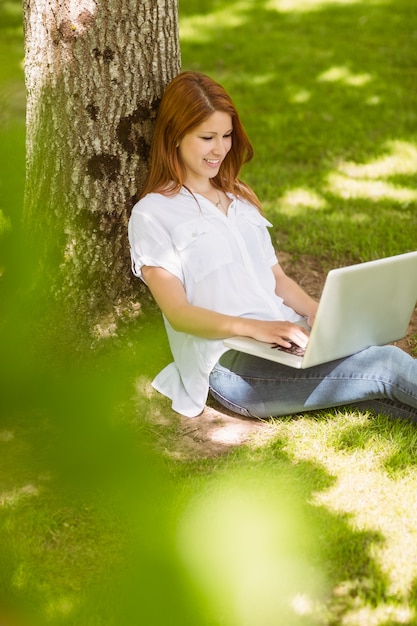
<point>151,243</point>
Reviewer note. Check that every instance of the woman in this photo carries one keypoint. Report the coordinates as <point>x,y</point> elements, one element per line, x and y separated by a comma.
<point>200,242</point>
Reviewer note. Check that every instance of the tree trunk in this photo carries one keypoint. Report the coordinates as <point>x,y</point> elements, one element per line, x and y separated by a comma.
<point>95,73</point>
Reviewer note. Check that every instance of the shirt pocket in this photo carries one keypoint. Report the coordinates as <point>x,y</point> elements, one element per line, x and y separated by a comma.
<point>256,219</point>
<point>201,247</point>
<point>255,230</point>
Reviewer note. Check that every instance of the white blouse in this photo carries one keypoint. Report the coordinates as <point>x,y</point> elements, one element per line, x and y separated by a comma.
<point>224,263</point>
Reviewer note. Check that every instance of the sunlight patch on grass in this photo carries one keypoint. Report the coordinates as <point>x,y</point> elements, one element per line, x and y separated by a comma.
<point>5,223</point>
<point>300,96</point>
<point>200,27</point>
<point>342,74</point>
<point>6,435</point>
<point>302,604</point>
<point>381,615</point>
<point>255,80</point>
<point>355,451</point>
<point>295,201</point>
<point>258,79</point>
<point>302,6</point>
<point>359,218</point>
<point>364,496</point>
<point>363,180</point>
<point>400,160</point>
<point>60,607</point>
<point>14,497</point>
<point>375,191</point>
<point>373,101</point>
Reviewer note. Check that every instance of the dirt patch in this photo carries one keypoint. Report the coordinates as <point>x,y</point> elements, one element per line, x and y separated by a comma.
<point>216,431</point>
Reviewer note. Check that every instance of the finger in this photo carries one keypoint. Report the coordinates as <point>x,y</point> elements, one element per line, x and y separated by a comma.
<point>300,338</point>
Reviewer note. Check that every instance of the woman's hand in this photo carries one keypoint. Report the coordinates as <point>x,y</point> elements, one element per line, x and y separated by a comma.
<point>282,333</point>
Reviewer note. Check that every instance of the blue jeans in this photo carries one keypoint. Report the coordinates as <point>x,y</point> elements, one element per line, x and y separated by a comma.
<point>380,379</point>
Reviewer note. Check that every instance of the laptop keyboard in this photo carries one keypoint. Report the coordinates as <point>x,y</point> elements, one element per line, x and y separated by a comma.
<point>294,349</point>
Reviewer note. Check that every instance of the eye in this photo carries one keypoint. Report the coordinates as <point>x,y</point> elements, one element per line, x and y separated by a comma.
<point>206,138</point>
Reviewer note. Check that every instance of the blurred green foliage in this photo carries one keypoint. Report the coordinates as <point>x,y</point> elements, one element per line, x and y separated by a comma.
<point>96,527</point>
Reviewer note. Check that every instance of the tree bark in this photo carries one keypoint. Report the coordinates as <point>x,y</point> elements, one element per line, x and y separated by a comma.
<point>95,72</point>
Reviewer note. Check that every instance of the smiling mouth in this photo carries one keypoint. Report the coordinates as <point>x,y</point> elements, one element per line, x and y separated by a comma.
<point>212,161</point>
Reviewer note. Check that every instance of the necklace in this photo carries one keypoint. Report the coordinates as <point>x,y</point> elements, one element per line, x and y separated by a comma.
<point>219,204</point>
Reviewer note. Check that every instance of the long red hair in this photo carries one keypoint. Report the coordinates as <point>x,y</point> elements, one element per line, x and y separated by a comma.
<point>189,99</point>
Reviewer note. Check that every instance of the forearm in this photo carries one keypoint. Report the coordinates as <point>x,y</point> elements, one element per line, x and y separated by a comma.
<point>206,323</point>
<point>212,325</point>
<point>187,318</point>
<point>299,300</point>
<point>295,297</point>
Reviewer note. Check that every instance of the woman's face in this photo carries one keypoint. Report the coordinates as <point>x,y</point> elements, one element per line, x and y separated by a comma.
<point>203,149</point>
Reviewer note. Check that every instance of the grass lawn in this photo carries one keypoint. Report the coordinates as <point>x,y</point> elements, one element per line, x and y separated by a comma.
<point>114,511</point>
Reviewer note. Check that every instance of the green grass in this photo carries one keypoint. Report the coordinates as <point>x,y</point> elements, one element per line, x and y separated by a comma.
<point>105,518</point>
<point>328,97</point>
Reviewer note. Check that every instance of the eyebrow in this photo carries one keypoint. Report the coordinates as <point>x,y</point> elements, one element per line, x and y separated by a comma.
<point>213,132</point>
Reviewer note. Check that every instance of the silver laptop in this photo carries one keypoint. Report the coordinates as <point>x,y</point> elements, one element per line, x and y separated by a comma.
<point>362,305</point>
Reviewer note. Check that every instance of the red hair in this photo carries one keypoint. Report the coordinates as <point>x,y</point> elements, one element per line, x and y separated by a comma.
<point>189,99</point>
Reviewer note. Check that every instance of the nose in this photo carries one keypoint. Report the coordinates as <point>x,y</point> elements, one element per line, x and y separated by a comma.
<point>221,146</point>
